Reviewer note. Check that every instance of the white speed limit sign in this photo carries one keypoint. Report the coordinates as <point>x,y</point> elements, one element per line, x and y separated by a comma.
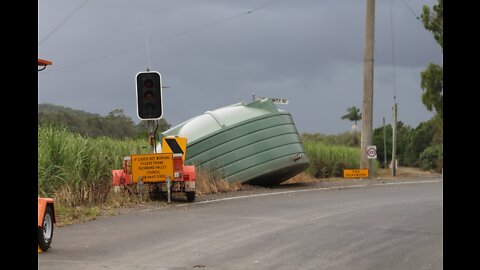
<point>371,152</point>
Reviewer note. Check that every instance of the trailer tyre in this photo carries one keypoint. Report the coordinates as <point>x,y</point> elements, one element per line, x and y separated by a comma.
<point>45,233</point>
<point>191,196</point>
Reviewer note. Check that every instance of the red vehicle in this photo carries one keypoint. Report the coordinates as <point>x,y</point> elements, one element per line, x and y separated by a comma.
<point>46,209</point>
<point>46,219</point>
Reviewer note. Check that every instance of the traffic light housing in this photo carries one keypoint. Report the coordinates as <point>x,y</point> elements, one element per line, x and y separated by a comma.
<point>149,95</point>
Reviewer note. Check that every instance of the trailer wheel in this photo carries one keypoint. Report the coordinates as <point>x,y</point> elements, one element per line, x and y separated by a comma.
<point>45,233</point>
<point>190,196</point>
<point>155,192</point>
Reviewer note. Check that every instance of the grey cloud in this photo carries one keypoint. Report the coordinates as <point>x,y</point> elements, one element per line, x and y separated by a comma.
<point>310,52</point>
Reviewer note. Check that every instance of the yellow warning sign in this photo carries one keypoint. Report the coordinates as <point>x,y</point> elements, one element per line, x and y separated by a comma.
<point>355,173</point>
<point>152,167</point>
<point>175,145</point>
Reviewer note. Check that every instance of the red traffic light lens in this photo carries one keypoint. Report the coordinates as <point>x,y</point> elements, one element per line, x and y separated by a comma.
<point>148,83</point>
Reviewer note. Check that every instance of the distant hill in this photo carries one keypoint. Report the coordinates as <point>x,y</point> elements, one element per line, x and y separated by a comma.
<point>115,124</point>
<point>51,108</point>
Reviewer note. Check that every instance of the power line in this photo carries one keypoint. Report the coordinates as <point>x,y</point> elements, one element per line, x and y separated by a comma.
<point>63,22</point>
<point>167,38</point>
<point>417,17</point>
<point>411,9</point>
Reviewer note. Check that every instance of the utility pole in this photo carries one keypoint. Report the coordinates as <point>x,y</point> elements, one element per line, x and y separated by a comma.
<point>394,140</point>
<point>384,145</point>
<point>367,111</point>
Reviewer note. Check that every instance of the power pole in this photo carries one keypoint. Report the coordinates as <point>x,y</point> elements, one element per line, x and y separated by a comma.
<point>394,140</point>
<point>384,145</point>
<point>367,111</point>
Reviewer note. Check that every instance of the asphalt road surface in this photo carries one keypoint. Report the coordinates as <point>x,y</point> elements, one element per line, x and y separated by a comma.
<point>386,226</point>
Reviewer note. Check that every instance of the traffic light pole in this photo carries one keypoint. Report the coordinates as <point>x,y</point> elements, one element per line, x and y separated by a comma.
<point>151,135</point>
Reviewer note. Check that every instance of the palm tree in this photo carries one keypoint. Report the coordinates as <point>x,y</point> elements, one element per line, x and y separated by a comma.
<point>353,115</point>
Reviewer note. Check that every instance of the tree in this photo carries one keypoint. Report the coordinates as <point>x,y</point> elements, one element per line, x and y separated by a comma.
<point>404,134</point>
<point>377,139</point>
<point>432,77</point>
<point>353,115</point>
<point>433,21</point>
<point>432,84</point>
<point>119,125</point>
<point>421,138</point>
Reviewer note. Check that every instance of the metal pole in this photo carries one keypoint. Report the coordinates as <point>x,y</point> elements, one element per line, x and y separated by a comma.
<point>384,145</point>
<point>151,135</point>
<point>169,184</point>
<point>367,111</point>
<point>140,187</point>
<point>394,141</point>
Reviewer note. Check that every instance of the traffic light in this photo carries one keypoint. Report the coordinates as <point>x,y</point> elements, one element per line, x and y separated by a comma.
<point>149,95</point>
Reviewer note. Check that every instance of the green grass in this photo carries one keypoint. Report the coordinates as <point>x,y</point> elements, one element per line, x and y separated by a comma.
<point>76,170</point>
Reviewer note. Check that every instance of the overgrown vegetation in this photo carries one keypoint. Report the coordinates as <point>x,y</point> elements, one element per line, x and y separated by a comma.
<point>344,138</point>
<point>78,150</point>
<point>76,170</point>
<point>411,144</point>
<point>330,160</point>
<point>330,154</point>
<point>432,157</point>
<point>208,183</point>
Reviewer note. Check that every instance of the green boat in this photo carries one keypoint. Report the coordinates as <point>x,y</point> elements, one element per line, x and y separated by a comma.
<point>253,143</point>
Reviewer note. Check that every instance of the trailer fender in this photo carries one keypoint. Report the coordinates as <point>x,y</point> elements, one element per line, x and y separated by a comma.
<point>189,178</point>
<point>189,173</point>
<point>42,205</point>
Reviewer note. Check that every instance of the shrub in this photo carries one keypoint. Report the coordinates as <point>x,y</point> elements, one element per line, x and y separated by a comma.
<point>432,158</point>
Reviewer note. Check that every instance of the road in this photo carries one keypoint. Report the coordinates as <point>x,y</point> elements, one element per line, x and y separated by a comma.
<point>386,226</point>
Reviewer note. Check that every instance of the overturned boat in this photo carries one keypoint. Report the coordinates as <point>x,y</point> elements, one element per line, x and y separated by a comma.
<point>253,143</point>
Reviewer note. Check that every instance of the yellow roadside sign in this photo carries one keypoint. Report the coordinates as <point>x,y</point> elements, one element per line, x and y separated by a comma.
<point>355,173</point>
<point>152,167</point>
<point>175,145</point>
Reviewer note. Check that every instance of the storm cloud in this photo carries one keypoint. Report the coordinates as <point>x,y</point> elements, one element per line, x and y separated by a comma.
<point>215,53</point>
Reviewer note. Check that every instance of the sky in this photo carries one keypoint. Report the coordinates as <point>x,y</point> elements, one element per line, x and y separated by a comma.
<point>214,53</point>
